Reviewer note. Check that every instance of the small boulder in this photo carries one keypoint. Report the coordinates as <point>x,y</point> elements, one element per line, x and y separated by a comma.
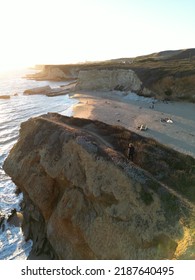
<point>15,218</point>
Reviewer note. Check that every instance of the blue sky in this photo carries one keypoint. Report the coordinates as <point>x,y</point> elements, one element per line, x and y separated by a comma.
<point>65,31</point>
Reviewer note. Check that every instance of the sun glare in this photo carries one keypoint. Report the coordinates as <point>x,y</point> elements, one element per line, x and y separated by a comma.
<point>7,67</point>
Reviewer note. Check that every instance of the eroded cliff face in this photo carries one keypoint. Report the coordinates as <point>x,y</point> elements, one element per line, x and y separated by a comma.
<point>87,200</point>
<point>118,79</point>
<point>55,73</point>
<point>165,75</point>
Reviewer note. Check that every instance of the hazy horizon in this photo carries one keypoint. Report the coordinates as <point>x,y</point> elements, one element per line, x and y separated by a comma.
<point>62,32</point>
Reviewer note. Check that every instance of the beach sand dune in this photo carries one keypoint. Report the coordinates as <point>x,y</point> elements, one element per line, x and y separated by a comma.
<point>132,111</point>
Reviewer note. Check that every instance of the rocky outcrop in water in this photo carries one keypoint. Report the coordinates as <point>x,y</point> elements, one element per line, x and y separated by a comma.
<point>83,199</point>
<point>2,220</point>
<point>5,97</point>
<point>37,90</point>
<point>47,90</point>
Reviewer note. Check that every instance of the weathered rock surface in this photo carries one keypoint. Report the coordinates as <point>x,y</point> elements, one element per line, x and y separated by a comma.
<point>83,199</point>
<point>37,90</point>
<point>56,73</point>
<point>119,79</point>
<point>15,218</point>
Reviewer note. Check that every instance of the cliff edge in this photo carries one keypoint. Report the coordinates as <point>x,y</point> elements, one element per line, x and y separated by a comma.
<point>164,75</point>
<point>83,199</point>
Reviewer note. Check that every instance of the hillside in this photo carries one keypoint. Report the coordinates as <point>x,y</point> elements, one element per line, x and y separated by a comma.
<point>165,75</point>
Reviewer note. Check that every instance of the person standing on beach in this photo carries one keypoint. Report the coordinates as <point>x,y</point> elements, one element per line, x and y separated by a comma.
<point>131,151</point>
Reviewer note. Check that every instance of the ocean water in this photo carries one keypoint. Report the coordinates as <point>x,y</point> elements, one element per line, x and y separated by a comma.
<point>13,112</point>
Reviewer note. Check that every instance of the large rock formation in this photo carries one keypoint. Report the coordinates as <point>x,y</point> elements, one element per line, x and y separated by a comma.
<point>119,79</point>
<point>83,199</point>
<point>37,90</point>
<point>168,74</point>
<point>56,73</point>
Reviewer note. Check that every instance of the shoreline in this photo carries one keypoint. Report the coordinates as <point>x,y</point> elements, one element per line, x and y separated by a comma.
<point>131,111</point>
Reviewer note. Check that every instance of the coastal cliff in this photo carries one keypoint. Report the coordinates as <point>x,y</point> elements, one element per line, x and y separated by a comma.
<point>119,79</point>
<point>164,75</point>
<point>83,199</point>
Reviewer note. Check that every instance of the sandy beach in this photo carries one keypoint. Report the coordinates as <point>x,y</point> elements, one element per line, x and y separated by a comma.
<point>131,111</point>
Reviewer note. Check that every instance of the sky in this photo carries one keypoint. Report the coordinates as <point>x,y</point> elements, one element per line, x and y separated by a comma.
<point>70,31</point>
